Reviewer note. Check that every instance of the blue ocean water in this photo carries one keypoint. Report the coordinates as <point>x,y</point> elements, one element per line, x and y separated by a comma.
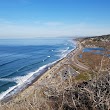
<point>22,59</point>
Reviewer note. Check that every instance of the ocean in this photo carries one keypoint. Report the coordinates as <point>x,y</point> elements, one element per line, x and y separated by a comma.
<point>22,60</point>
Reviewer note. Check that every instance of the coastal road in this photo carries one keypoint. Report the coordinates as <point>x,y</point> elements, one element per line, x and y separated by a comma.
<point>75,60</point>
<point>71,60</point>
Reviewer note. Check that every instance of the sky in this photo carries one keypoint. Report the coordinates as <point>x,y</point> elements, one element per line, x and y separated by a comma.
<point>54,18</point>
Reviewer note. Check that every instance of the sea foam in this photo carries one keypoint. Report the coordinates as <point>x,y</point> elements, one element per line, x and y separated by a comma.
<point>23,81</point>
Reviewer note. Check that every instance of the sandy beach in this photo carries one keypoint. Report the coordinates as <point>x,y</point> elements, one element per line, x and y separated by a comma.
<point>60,67</point>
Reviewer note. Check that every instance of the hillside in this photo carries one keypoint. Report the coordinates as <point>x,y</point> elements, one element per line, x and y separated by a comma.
<point>81,81</point>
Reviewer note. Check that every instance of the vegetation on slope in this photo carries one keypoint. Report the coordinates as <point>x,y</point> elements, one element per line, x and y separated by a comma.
<point>89,90</point>
<point>87,95</point>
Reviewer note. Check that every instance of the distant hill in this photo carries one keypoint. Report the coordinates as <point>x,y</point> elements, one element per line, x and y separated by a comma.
<point>98,38</point>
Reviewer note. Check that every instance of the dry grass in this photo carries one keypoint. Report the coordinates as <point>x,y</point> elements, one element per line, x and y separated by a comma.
<point>87,95</point>
<point>89,90</point>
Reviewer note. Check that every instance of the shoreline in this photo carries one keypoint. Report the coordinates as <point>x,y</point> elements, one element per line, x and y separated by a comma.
<point>8,97</point>
<point>57,87</point>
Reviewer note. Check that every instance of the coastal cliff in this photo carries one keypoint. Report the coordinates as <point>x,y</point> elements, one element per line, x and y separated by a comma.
<point>80,81</point>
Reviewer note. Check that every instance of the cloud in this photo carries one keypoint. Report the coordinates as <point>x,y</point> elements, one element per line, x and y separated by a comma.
<point>49,29</point>
<point>53,23</point>
<point>49,23</point>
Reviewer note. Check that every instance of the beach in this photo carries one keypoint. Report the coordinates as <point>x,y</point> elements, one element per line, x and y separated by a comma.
<point>48,73</point>
<point>21,64</point>
<point>52,75</point>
